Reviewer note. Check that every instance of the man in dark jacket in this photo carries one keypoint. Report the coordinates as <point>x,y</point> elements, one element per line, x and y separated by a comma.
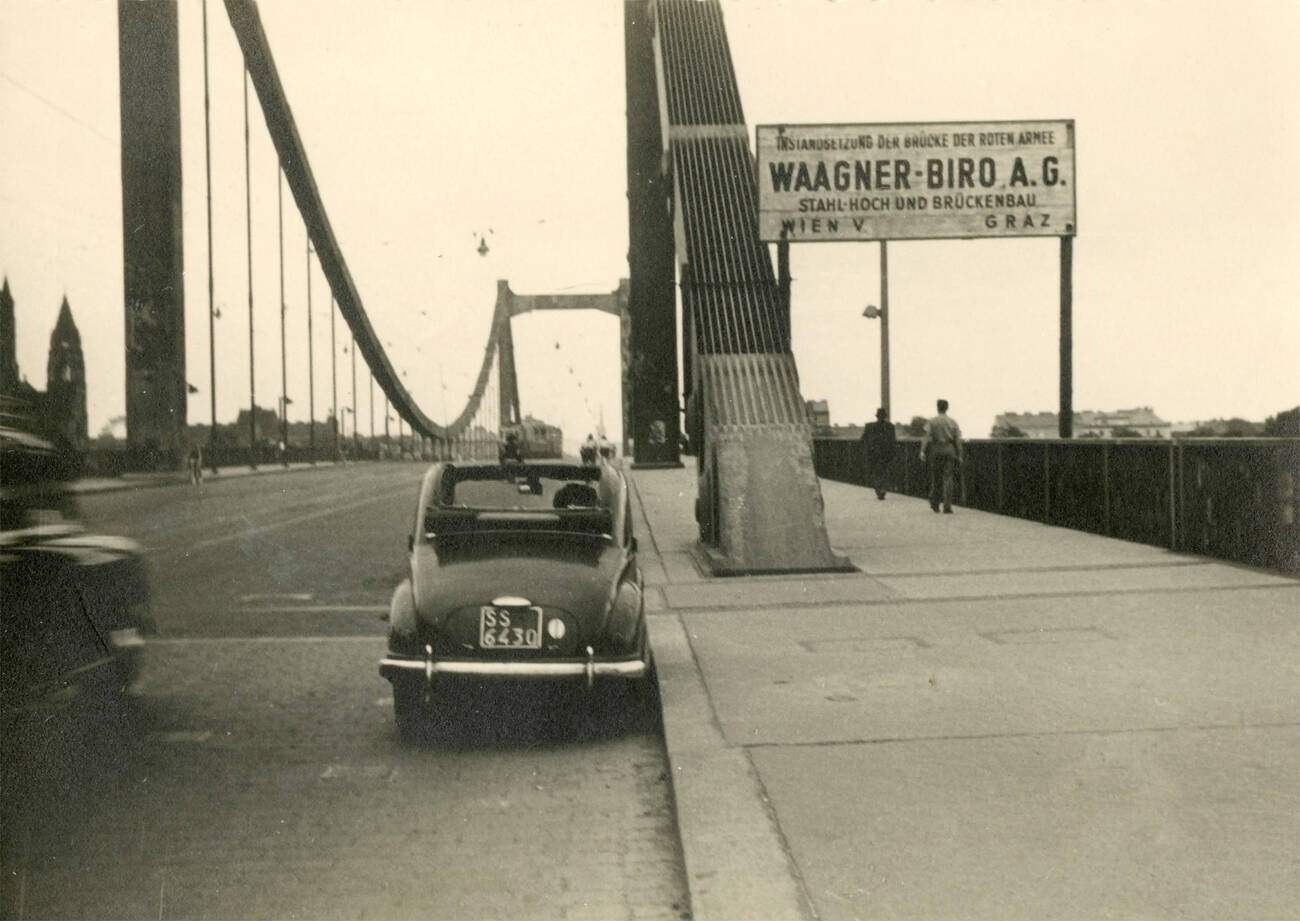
<point>879,443</point>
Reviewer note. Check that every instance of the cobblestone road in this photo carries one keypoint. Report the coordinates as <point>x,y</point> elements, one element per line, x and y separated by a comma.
<point>261,775</point>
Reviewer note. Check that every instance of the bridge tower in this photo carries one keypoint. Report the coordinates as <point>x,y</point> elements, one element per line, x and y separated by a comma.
<point>152,254</point>
<point>654,422</point>
<point>510,305</point>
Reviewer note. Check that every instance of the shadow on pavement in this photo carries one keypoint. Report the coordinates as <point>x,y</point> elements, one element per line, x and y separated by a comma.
<point>59,770</point>
<point>469,716</point>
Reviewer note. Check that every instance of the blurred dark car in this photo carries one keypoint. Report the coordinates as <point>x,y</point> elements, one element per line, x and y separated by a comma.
<point>518,572</point>
<point>74,606</point>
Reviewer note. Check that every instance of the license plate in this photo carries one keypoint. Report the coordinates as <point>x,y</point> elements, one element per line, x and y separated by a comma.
<point>509,628</point>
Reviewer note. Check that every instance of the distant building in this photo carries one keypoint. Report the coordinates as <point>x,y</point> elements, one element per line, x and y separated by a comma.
<point>854,432</point>
<point>65,375</point>
<point>266,427</point>
<point>819,413</point>
<point>1087,424</point>
<point>1219,428</point>
<point>18,399</point>
<point>59,411</point>
<point>9,378</point>
<point>235,434</point>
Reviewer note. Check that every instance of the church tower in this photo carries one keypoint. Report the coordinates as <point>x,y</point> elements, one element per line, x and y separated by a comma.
<point>8,342</point>
<point>66,381</point>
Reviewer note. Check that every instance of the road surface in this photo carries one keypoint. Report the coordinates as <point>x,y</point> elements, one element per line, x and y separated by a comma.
<point>260,774</point>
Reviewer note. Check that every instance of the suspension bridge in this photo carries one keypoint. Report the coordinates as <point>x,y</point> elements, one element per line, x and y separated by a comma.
<point>692,226</point>
<point>1071,697</point>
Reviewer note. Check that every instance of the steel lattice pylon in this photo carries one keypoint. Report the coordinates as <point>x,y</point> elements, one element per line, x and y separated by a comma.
<point>760,504</point>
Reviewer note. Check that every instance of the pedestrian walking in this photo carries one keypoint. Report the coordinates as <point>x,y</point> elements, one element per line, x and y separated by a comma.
<point>879,442</point>
<point>942,447</point>
<point>194,461</point>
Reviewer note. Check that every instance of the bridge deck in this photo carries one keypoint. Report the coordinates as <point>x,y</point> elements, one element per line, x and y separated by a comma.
<point>993,718</point>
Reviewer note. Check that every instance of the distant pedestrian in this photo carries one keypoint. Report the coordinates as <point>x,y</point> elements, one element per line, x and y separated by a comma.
<point>942,446</point>
<point>509,451</point>
<point>194,461</point>
<point>587,450</point>
<point>879,442</point>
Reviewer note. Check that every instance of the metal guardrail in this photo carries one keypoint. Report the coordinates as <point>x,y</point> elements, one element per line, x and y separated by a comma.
<point>1235,499</point>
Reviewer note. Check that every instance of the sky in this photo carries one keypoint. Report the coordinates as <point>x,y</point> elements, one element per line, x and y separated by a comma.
<point>433,123</point>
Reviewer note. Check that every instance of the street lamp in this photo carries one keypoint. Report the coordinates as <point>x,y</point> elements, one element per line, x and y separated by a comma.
<point>875,313</point>
<point>284,401</point>
<point>882,313</point>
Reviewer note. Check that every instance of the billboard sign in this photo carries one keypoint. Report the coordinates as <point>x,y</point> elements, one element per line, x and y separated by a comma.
<point>915,181</point>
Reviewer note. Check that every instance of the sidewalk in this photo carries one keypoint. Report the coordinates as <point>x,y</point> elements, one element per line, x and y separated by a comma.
<point>994,719</point>
<point>176,478</point>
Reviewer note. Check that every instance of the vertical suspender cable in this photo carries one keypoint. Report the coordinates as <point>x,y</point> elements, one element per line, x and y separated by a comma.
<point>356,443</point>
<point>248,226</point>
<point>284,365</point>
<point>334,381</point>
<point>212,317</point>
<point>311,368</point>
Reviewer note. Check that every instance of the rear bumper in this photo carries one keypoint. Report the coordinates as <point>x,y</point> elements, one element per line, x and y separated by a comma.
<point>396,668</point>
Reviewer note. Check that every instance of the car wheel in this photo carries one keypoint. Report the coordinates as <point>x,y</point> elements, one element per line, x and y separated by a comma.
<point>411,712</point>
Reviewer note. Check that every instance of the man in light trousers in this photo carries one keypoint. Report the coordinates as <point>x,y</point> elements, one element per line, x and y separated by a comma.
<point>942,447</point>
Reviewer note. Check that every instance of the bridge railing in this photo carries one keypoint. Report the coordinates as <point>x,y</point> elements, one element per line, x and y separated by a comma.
<point>1233,498</point>
<point>114,462</point>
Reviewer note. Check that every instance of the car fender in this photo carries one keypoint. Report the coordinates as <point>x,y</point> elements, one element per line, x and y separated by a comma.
<point>402,622</point>
<point>629,573</point>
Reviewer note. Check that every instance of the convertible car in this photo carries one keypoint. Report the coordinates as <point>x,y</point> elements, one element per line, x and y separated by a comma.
<point>75,605</point>
<point>518,571</point>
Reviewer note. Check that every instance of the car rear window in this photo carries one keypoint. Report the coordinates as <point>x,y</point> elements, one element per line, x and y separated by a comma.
<point>505,494</point>
<point>520,498</point>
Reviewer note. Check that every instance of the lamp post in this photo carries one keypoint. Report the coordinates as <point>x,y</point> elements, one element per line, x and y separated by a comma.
<point>882,313</point>
<point>356,438</point>
<point>334,380</point>
<point>401,436</point>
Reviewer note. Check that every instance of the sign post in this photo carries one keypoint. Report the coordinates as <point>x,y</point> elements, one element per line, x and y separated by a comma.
<point>923,181</point>
<point>884,328</point>
<point>1065,418</point>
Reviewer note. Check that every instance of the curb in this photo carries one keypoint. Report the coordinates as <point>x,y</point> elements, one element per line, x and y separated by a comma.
<point>120,485</point>
<point>736,864</point>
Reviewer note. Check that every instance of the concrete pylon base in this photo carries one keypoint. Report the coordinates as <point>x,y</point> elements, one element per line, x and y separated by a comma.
<point>760,507</point>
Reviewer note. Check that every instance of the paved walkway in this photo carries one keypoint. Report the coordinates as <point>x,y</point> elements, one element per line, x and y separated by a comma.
<point>994,719</point>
